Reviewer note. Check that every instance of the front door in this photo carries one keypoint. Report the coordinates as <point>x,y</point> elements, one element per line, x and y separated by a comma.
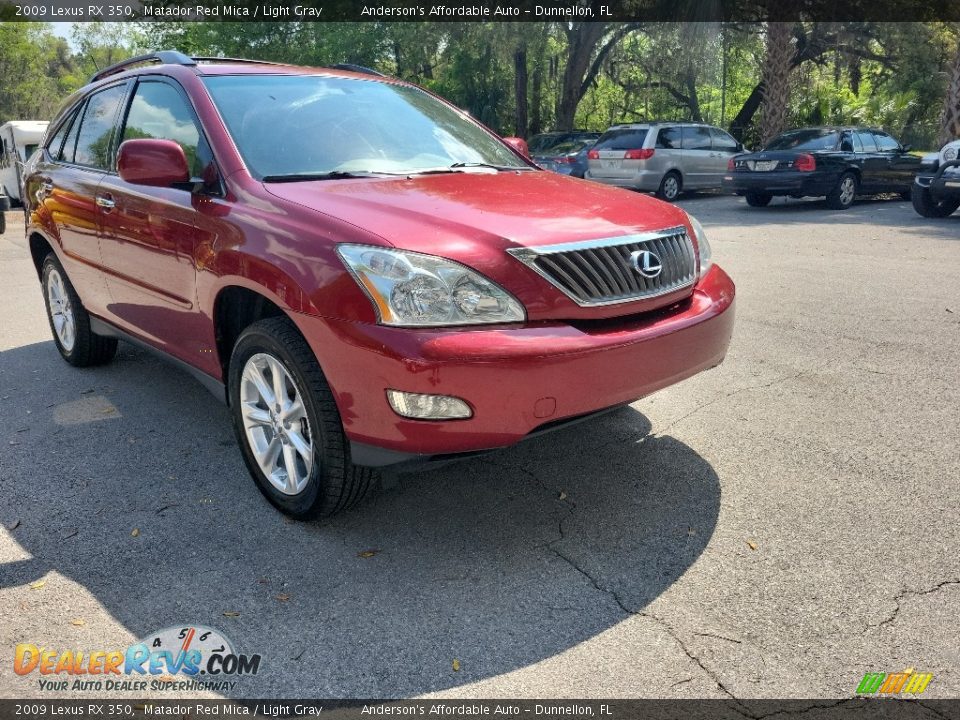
<point>152,236</point>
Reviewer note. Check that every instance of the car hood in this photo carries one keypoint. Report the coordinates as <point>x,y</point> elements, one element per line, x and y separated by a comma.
<point>439,213</point>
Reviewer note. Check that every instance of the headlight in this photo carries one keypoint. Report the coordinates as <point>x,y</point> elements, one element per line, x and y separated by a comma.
<point>413,290</point>
<point>950,153</point>
<point>703,245</point>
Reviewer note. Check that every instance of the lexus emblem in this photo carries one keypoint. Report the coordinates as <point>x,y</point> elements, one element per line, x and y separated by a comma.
<point>646,263</point>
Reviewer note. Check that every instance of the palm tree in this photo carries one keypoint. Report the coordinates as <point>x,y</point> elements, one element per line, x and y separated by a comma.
<point>777,64</point>
<point>950,118</point>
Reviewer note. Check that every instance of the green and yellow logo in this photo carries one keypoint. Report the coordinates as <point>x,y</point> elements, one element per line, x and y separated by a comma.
<point>908,681</point>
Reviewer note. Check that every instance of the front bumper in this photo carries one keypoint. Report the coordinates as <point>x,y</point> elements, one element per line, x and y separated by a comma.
<point>944,184</point>
<point>517,380</point>
<point>784,182</point>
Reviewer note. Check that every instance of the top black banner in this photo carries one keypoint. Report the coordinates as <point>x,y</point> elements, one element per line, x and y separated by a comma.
<point>479,10</point>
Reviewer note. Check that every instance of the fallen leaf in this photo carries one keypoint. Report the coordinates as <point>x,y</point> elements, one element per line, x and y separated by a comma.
<point>37,584</point>
<point>949,310</point>
<point>456,665</point>
<point>282,597</point>
<point>367,553</point>
<point>264,581</point>
<point>87,391</point>
<point>69,534</point>
<point>14,525</point>
<point>135,532</point>
<point>751,544</point>
<point>78,622</point>
<point>563,495</point>
<point>691,531</point>
<point>231,613</point>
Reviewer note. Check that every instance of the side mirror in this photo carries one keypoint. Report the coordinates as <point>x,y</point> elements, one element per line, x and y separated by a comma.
<point>907,148</point>
<point>518,144</point>
<point>739,147</point>
<point>157,163</point>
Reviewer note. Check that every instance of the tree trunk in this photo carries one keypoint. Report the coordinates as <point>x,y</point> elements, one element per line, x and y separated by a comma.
<point>520,85</point>
<point>950,118</point>
<point>776,80</point>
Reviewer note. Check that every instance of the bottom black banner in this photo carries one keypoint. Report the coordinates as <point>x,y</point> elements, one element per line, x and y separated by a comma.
<point>854,708</point>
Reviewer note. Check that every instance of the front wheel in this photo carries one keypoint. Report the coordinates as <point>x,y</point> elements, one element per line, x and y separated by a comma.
<point>843,193</point>
<point>758,199</point>
<point>3,222</point>
<point>926,206</point>
<point>69,321</point>
<point>288,426</point>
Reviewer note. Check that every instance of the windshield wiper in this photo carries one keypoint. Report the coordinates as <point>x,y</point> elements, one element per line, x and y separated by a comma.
<point>332,175</point>
<point>504,168</point>
<point>460,167</point>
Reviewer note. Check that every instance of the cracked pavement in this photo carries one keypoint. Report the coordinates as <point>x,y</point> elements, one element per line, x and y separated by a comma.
<point>775,527</point>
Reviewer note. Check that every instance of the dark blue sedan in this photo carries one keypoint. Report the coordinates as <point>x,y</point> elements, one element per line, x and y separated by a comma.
<point>563,152</point>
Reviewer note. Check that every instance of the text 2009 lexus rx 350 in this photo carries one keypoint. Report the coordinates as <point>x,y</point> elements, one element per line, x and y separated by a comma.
<point>366,274</point>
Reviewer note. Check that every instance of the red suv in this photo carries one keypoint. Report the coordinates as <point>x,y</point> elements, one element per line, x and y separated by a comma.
<point>366,275</point>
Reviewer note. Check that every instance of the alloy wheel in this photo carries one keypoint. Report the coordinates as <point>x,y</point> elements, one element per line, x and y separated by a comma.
<point>276,424</point>
<point>61,310</point>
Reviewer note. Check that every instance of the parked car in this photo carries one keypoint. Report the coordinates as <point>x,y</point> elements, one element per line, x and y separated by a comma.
<point>837,163</point>
<point>563,152</point>
<point>936,187</point>
<point>18,140</point>
<point>661,157</point>
<point>365,274</point>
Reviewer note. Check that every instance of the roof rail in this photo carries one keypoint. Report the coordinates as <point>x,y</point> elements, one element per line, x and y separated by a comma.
<point>163,57</point>
<point>212,59</point>
<point>356,68</point>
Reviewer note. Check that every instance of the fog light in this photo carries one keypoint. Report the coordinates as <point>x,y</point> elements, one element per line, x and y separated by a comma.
<point>428,407</point>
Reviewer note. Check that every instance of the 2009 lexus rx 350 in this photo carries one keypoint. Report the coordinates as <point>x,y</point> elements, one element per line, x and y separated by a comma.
<point>365,274</point>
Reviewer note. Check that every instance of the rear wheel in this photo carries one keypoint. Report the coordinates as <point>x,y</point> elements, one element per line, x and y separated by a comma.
<point>670,186</point>
<point>926,206</point>
<point>843,193</point>
<point>758,199</point>
<point>288,426</point>
<point>69,321</point>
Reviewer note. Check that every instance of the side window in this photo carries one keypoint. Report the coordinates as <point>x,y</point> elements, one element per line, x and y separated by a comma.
<point>70,144</point>
<point>722,141</point>
<point>866,139</point>
<point>159,111</point>
<point>886,143</point>
<point>696,138</point>
<point>56,142</point>
<point>669,138</point>
<point>95,138</point>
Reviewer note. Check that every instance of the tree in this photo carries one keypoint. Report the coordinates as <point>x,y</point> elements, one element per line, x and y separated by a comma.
<point>950,117</point>
<point>588,44</point>
<point>37,71</point>
<point>777,64</point>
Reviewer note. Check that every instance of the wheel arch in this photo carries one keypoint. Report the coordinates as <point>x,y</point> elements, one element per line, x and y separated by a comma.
<point>40,247</point>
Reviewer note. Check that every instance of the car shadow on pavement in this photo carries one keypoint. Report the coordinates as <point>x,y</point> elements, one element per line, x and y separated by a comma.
<point>126,479</point>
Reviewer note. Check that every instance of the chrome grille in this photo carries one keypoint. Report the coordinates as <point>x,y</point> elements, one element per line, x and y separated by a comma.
<point>601,272</point>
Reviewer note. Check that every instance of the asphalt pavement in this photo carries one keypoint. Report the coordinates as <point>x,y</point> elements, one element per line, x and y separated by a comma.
<point>776,527</point>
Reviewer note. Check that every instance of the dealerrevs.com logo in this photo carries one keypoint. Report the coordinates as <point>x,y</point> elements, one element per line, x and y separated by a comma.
<point>203,658</point>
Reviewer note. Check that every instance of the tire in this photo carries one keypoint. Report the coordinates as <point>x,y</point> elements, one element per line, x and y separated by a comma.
<point>330,483</point>
<point>3,222</point>
<point>926,206</point>
<point>906,195</point>
<point>758,199</point>
<point>670,186</point>
<point>844,192</point>
<point>77,343</point>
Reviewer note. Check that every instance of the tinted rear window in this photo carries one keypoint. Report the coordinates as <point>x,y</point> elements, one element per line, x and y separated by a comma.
<point>812,139</point>
<point>622,139</point>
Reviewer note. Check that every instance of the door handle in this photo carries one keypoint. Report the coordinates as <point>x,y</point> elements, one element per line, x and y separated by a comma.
<point>106,202</point>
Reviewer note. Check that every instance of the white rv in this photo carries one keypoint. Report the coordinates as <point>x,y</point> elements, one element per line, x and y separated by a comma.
<point>18,140</point>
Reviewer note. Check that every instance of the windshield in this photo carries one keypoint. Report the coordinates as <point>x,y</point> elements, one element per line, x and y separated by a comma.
<point>291,125</point>
<point>810,139</point>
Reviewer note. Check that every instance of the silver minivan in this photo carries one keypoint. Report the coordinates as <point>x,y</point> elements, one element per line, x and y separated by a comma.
<point>662,157</point>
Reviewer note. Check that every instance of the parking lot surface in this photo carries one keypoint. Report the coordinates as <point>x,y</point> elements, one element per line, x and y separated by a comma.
<point>776,527</point>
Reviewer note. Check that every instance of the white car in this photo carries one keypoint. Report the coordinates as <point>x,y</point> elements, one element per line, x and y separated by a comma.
<point>936,187</point>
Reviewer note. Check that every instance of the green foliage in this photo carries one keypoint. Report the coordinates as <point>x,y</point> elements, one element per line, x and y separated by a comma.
<point>885,74</point>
